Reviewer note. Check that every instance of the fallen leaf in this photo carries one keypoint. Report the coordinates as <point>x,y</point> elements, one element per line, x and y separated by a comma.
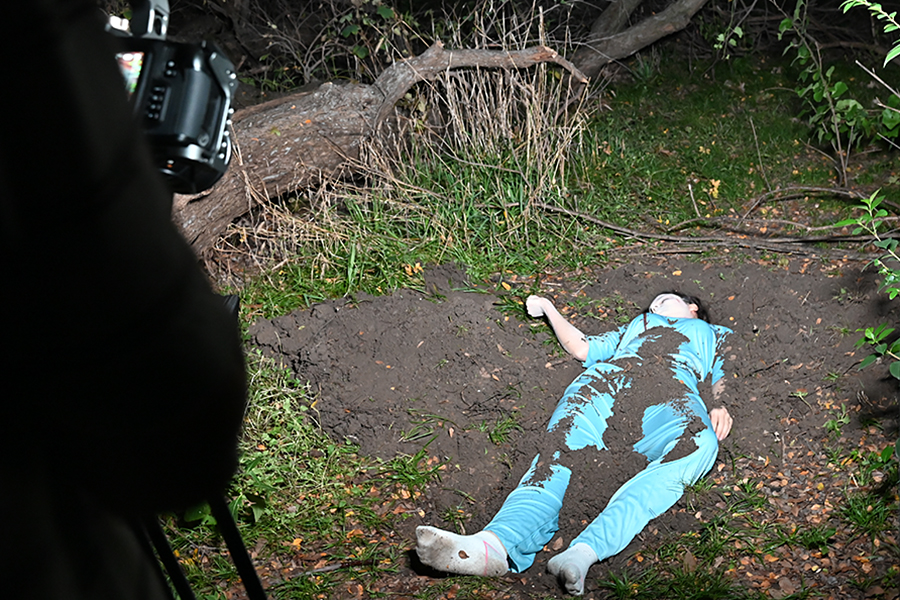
<point>690,563</point>
<point>787,586</point>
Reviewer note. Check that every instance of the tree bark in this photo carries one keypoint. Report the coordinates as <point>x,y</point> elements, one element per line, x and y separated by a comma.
<point>297,141</point>
<point>608,42</point>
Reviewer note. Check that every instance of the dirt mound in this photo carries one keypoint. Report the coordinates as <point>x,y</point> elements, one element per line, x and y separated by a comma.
<point>447,369</point>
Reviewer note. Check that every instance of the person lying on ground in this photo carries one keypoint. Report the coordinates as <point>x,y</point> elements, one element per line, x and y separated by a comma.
<point>661,363</point>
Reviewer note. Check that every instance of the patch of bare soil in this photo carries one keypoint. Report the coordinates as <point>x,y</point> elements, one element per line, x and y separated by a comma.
<point>447,370</point>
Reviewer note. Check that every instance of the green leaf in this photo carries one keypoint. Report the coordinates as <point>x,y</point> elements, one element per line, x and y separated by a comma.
<point>890,118</point>
<point>894,53</point>
<point>350,30</point>
<point>257,511</point>
<point>839,88</point>
<point>386,12</point>
<point>895,369</point>
<point>883,331</point>
<point>360,51</point>
<point>785,25</point>
<point>201,514</point>
<point>867,361</point>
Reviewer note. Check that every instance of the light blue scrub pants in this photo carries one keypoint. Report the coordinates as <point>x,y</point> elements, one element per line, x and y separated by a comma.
<point>529,517</point>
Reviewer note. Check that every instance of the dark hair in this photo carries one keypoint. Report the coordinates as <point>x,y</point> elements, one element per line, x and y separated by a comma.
<point>702,312</point>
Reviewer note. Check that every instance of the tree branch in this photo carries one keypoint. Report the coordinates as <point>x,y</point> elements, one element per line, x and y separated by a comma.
<point>394,82</point>
<point>740,239</point>
<point>591,58</point>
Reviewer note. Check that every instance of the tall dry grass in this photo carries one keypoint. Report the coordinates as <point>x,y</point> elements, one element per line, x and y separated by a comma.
<point>456,176</point>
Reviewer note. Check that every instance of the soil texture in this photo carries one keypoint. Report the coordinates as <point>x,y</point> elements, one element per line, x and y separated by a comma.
<point>460,371</point>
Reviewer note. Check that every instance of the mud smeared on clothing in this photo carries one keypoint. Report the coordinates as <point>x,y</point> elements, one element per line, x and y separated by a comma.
<point>598,474</point>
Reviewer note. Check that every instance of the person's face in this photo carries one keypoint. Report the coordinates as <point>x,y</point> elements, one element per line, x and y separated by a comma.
<point>671,305</point>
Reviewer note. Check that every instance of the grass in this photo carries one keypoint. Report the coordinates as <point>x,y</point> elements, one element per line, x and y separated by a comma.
<point>747,534</point>
<point>303,492</point>
<point>677,583</point>
<point>815,538</point>
<point>502,429</point>
<point>490,190</point>
<point>867,512</point>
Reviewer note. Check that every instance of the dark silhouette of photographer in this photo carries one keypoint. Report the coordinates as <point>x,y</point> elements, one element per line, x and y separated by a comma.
<point>125,383</point>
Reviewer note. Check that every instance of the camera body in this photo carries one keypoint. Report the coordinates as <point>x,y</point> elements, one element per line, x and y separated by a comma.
<point>182,94</point>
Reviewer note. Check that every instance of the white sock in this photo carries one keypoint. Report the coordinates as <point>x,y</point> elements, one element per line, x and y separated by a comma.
<point>477,554</point>
<point>572,566</point>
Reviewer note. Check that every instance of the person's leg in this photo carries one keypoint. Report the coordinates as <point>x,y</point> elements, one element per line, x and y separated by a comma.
<point>526,521</point>
<point>652,491</point>
<point>646,495</point>
<point>529,515</point>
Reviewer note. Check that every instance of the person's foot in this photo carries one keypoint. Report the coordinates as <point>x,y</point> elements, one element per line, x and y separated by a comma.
<point>572,566</point>
<point>477,554</point>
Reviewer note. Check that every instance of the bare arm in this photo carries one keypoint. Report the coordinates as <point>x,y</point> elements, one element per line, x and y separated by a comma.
<point>721,420</point>
<point>570,337</point>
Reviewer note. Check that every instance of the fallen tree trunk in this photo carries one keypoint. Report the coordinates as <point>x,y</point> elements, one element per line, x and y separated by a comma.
<point>297,141</point>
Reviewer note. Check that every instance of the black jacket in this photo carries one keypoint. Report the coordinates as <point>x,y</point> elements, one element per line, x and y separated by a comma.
<point>123,374</point>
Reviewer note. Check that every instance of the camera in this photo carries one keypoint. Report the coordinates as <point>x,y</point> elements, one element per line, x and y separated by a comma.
<point>182,94</point>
